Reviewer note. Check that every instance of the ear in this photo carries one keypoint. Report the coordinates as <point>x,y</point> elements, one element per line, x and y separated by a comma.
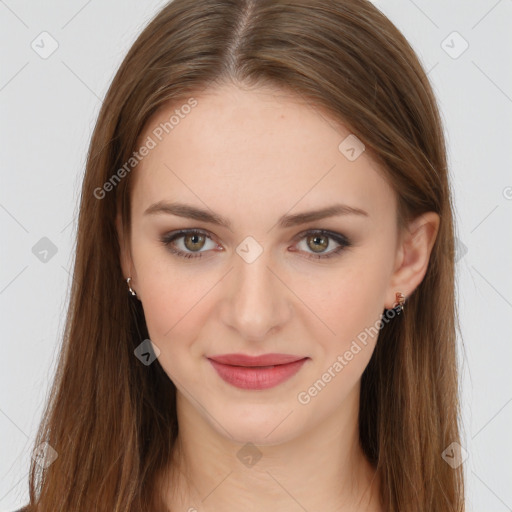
<point>413,255</point>
<point>124,255</point>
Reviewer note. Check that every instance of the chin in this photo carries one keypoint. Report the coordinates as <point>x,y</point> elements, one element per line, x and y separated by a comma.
<point>256,426</point>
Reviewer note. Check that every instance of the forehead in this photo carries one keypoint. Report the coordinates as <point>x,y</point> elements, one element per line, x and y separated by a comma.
<point>260,147</point>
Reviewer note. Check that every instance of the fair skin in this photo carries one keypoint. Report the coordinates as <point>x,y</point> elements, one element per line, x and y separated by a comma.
<point>252,156</point>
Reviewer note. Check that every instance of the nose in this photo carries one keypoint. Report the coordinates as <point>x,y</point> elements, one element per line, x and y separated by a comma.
<point>255,300</point>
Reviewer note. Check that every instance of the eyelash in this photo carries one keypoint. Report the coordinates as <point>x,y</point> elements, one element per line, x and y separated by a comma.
<point>337,237</point>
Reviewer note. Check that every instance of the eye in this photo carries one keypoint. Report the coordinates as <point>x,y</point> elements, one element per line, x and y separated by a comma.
<point>319,240</point>
<point>192,241</point>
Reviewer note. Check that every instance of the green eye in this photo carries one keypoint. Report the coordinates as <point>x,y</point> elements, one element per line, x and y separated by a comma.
<point>319,240</point>
<point>193,241</point>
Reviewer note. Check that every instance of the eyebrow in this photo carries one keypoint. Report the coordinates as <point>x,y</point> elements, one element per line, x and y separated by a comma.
<point>285,221</point>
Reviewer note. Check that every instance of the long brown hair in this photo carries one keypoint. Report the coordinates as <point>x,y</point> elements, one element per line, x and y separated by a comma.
<point>112,420</point>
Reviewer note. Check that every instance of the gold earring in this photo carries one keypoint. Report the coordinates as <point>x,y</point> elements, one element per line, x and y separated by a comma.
<point>399,304</point>
<point>129,286</point>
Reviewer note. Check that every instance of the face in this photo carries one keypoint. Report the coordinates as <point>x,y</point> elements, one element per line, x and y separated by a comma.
<point>270,279</point>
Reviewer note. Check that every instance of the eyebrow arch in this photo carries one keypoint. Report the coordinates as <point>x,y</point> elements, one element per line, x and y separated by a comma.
<point>285,221</point>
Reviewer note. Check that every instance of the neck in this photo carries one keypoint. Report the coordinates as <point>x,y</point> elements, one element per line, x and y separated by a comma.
<point>323,469</point>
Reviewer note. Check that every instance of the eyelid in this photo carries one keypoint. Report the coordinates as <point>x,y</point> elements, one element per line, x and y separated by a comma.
<point>170,237</point>
<point>338,237</point>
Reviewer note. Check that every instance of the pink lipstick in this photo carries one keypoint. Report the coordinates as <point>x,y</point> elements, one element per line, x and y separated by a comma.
<point>256,372</point>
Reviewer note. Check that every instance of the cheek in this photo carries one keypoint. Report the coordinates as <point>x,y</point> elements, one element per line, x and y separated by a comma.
<point>174,314</point>
<point>171,297</point>
<point>349,305</point>
<point>345,305</point>
<point>174,306</point>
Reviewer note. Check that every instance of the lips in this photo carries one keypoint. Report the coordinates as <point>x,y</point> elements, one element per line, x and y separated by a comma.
<point>263,360</point>
<point>256,372</point>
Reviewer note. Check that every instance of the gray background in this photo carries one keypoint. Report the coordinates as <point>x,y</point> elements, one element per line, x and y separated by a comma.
<point>48,109</point>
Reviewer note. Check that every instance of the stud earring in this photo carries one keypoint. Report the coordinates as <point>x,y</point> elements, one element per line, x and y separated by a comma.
<point>399,304</point>
<point>129,286</point>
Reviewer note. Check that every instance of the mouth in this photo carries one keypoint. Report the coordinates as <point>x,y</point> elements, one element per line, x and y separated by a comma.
<point>248,372</point>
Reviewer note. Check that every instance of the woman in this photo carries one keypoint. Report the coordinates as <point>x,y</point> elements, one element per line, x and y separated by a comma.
<point>262,312</point>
